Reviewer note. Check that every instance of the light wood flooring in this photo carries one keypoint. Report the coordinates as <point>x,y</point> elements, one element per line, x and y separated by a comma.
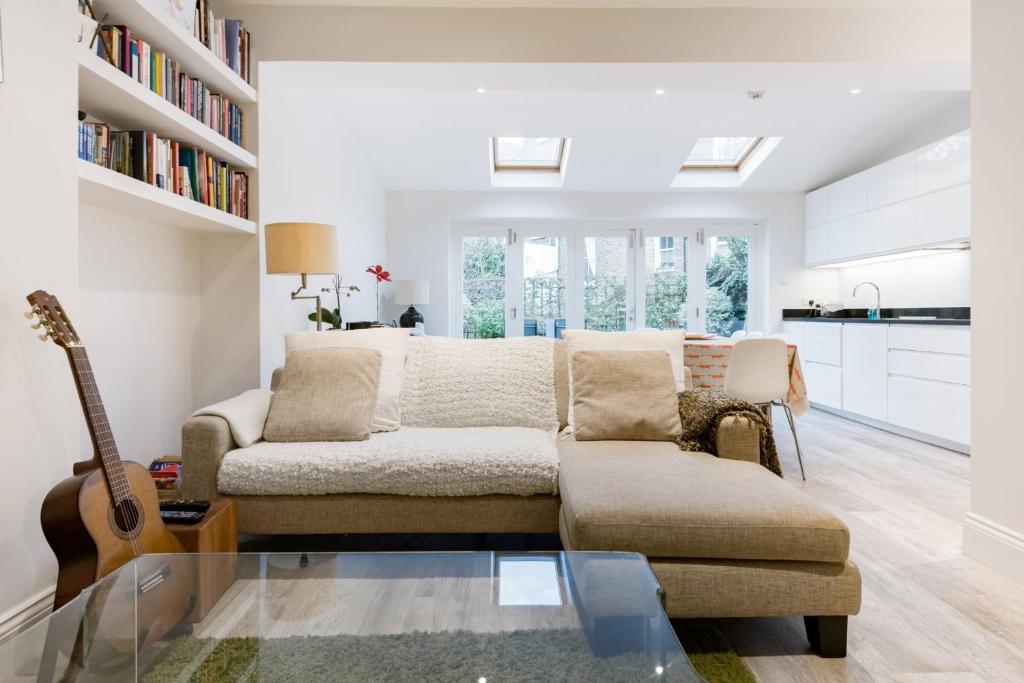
<point>930,614</point>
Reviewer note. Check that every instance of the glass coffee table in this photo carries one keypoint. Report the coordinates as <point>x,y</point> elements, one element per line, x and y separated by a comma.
<point>472,617</point>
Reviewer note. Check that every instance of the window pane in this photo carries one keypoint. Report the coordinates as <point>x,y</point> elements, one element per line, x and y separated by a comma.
<point>483,287</point>
<point>728,272</point>
<point>719,151</point>
<point>528,152</point>
<point>665,282</point>
<point>545,269</point>
<point>604,283</point>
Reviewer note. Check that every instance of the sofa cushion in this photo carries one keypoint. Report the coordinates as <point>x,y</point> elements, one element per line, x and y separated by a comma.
<point>325,395</point>
<point>625,396</point>
<point>470,461</point>
<point>650,497</point>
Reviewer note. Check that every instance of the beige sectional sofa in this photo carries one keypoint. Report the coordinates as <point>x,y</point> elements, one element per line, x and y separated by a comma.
<point>725,537</point>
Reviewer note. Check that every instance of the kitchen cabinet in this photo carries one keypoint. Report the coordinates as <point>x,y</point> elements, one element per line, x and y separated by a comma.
<point>824,384</point>
<point>865,369</point>
<point>823,343</point>
<point>891,182</point>
<point>936,408</point>
<point>944,163</point>
<point>817,243</point>
<point>943,216</point>
<point>794,332</point>
<point>891,228</point>
<point>816,207</point>
<point>847,237</point>
<point>847,196</point>
<point>931,339</point>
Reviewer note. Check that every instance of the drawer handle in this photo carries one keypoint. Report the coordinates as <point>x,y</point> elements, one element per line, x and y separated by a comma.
<point>928,379</point>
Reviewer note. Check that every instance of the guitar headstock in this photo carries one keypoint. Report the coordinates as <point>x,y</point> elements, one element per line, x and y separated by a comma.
<point>50,315</point>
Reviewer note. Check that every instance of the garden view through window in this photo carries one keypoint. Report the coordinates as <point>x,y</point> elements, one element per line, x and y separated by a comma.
<point>541,284</point>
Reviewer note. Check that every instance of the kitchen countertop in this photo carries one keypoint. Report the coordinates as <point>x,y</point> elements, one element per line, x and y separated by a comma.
<point>890,316</point>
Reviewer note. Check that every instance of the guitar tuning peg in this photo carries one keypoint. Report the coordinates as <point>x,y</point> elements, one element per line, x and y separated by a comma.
<point>36,326</point>
<point>44,337</point>
<point>30,314</point>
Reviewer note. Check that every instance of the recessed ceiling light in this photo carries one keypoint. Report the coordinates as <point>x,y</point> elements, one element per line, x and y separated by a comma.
<point>481,90</point>
<point>855,91</point>
<point>659,91</point>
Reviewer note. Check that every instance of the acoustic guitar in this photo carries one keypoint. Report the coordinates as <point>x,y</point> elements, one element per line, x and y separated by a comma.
<point>108,512</point>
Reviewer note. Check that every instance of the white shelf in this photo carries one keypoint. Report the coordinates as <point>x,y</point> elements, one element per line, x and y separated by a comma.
<point>156,26</point>
<point>98,186</point>
<point>113,97</point>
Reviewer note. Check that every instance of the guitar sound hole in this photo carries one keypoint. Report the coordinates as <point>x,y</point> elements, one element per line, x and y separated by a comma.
<point>126,517</point>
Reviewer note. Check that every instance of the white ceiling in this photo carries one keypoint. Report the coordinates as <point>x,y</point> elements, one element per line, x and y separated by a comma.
<point>625,138</point>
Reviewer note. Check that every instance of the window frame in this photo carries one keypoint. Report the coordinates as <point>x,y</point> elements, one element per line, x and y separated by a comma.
<point>728,167</point>
<point>499,167</point>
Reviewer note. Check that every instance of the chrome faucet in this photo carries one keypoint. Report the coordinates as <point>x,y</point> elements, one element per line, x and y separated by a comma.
<point>876,312</point>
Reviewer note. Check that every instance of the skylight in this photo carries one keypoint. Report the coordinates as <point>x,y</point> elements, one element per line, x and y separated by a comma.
<point>720,153</point>
<point>528,154</point>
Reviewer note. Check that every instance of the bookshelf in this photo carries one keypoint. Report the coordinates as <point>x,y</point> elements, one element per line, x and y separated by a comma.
<point>109,95</point>
<point>98,186</point>
<point>113,97</point>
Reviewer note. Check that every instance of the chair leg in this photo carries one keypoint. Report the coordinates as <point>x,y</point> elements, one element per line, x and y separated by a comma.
<point>796,440</point>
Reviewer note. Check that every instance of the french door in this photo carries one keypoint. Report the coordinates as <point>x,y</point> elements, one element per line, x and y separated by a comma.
<point>540,281</point>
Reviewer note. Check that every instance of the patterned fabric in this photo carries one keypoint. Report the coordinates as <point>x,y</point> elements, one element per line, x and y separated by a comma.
<point>708,360</point>
<point>701,412</point>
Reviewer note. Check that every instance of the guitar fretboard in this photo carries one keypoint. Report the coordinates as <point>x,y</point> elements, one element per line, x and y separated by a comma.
<point>99,427</point>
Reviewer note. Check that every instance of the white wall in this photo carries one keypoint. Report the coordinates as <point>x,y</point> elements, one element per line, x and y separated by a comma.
<point>39,415</point>
<point>138,315</point>
<point>994,529</point>
<point>419,225</point>
<point>924,282</point>
<point>312,169</point>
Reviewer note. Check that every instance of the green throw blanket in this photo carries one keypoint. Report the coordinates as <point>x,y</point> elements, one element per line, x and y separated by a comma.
<point>701,412</point>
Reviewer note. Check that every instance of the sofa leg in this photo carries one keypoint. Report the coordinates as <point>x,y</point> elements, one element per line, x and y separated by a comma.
<point>827,635</point>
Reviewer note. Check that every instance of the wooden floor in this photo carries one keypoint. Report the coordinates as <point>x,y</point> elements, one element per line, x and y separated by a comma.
<point>930,615</point>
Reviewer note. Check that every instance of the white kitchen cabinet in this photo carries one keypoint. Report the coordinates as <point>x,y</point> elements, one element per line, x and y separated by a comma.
<point>948,339</point>
<point>817,244</point>
<point>893,181</point>
<point>848,237</point>
<point>936,408</point>
<point>824,382</point>
<point>939,367</point>
<point>944,163</point>
<point>848,196</point>
<point>823,343</point>
<point>891,228</point>
<point>865,373</point>
<point>943,216</point>
<point>816,207</point>
<point>794,332</point>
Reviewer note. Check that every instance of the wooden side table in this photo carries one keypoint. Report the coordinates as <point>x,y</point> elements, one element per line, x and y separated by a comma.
<point>216,533</point>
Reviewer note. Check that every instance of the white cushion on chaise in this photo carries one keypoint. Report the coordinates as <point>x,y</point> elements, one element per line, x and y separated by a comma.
<point>469,461</point>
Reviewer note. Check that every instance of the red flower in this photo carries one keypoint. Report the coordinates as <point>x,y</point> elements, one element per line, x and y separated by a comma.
<point>379,272</point>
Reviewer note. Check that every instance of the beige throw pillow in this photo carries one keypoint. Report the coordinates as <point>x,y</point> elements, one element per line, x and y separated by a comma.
<point>392,342</point>
<point>670,341</point>
<point>624,396</point>
<point>326,394</point>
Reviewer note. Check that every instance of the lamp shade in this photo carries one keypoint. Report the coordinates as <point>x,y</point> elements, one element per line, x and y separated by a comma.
<point>412,292</point>
<point>301,248</point>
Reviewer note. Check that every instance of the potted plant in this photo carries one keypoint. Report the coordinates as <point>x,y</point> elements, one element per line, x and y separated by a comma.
<point>329,317</point>
<point>381,275</point>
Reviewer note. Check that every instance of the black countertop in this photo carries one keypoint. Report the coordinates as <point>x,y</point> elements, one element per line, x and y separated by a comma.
<point>889,316</point>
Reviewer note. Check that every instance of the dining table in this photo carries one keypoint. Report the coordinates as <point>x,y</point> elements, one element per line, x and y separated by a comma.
<point>708,360</point>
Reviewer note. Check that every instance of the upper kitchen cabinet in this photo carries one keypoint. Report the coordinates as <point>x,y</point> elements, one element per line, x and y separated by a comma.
<point>893,181</point>
<point>847,196</point>
<point>917,200</point>
<point>817,207</point>
<point>944,163</point>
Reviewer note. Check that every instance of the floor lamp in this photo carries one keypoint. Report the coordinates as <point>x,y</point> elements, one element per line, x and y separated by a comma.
<point>301,249</point>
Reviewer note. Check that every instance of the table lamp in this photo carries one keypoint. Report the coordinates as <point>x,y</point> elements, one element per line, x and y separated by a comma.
<point>409,293</point>
<point>301,249</point>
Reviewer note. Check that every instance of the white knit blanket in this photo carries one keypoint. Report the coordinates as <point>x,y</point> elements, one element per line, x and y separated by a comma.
<point>473,461</point>
<point>480,383</point>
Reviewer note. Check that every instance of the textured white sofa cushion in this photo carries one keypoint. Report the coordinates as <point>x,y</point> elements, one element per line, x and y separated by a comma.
<point>480,383</point>
<point>471,461</point>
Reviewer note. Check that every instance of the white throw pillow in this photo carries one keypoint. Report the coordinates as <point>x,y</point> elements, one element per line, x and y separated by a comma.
<point>393,344</point>
<point>671,341</point>
<point>480,383</point>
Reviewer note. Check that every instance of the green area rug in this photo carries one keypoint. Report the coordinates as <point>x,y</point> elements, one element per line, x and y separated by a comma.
<point>462,656</point>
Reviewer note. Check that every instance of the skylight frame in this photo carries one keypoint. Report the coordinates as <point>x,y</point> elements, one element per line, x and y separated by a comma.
<point>555,166</point>
<point>728,167</point>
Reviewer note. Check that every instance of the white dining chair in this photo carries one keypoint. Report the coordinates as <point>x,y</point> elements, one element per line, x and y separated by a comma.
<point>755,335</point>
<point>780,335</point>
<point>738,334</point>
<point>758,372</point>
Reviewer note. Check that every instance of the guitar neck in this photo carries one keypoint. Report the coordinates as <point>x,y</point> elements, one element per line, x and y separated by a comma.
<point>96,420</point>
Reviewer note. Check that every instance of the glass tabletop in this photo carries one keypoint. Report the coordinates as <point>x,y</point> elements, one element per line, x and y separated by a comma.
<point>446,616</point>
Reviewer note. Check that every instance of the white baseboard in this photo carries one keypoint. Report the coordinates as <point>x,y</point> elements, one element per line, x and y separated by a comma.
<point>994,545</point>
<point>23,615</point>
